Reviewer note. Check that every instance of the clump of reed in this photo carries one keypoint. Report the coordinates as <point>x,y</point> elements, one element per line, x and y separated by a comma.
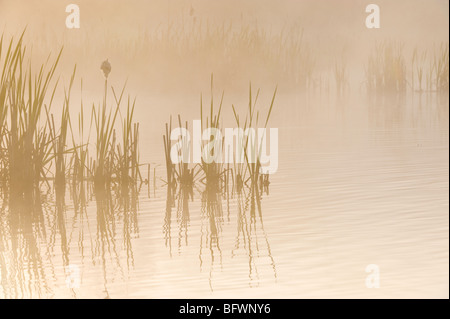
<point>25,142</point>
<point>59,139</point>
<point>209,172</point>
<point>243,170</point>
<point>4,90</point>
<point>170,167</point>
<point>430,69</point>
<point>213,171</point>
<point>250,169</point>
<point>116,161</point>
<point>341,77</point>
<point>128,155</point>
<point>441,68</point>
<point>80,160</point>
<point>177,174</point>
<point>386,69</point>
<point>34,147</point>
<point>184,174</point>
<point>417,70</point>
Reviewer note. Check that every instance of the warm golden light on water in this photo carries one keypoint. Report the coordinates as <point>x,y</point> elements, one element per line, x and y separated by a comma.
<point>93,205</point>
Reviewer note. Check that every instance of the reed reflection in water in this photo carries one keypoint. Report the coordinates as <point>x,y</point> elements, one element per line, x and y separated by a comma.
<point>241,203</point>
<point>42,240</point>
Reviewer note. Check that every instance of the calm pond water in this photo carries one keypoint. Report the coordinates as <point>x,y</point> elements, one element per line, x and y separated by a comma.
<point>359,182</point>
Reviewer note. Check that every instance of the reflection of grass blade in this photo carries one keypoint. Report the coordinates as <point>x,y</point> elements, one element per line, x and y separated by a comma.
<point>386,69</point>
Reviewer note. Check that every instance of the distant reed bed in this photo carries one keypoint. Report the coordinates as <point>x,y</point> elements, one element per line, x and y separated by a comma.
<point>183,51</point>
<point>388,69</point>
